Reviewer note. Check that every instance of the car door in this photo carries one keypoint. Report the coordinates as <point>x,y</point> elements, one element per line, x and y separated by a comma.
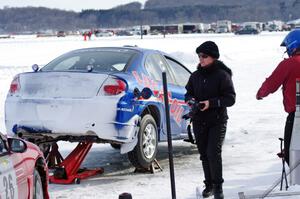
<point>8,180</point>
<point>154,65</point>
<point>181,76</point>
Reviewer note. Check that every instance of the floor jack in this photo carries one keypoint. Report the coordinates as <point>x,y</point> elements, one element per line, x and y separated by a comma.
<point>67,171</point>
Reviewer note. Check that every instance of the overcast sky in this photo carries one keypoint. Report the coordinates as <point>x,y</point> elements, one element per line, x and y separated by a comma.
<point>75,5</point>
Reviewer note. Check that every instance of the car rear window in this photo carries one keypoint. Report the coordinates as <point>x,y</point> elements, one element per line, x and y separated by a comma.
<point>92,60</point>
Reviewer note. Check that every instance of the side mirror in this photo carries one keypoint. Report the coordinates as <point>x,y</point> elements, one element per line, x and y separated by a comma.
<point>16,145</point>
<point>145,93</point>
<point>35,67</point>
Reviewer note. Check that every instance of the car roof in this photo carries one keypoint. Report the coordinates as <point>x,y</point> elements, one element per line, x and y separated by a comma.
<point>135,48</point>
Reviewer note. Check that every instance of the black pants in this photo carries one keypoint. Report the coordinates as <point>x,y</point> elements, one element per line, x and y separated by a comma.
<point>209,140</point>
<point>287,136</point>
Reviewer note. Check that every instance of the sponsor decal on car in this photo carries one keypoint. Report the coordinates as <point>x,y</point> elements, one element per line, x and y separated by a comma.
<point>125,109</point>
<point>176,109</point>
<point>145,81</point>
<point>8,186</point>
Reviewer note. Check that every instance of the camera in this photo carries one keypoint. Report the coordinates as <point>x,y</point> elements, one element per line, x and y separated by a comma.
<point>195,107</point>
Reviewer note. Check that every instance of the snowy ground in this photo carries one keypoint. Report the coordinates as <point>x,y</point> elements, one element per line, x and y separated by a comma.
<point>249,153</point>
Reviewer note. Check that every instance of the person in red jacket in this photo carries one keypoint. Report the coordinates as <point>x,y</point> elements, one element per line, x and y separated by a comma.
<point>285,75</point>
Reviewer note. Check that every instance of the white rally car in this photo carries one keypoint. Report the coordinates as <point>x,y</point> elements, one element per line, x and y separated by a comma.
<point>94,94</point>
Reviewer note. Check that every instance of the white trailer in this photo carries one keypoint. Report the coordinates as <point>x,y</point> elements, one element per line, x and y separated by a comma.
<point>274,25</point>
<point>223,26</point>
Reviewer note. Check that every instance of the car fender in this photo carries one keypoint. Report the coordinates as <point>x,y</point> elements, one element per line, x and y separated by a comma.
<point>141,110</point>
<point>125,148</point>
<point>129,146</point>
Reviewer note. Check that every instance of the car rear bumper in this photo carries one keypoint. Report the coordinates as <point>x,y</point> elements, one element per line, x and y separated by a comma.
<point>76,117</point>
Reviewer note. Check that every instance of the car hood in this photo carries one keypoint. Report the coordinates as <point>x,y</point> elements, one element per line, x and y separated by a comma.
<point>41,85</point>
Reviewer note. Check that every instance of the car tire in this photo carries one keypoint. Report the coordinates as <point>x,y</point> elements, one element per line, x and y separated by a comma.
<point>38,192</point>
<point>145,151</point>
<point>115,146</point>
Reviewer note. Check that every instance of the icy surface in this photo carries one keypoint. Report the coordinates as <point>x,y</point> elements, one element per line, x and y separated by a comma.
<point>249,152</point>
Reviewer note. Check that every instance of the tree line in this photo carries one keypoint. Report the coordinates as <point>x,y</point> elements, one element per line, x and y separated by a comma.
<point>155,12</point>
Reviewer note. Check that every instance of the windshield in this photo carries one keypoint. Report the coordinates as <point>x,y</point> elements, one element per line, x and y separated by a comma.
<point>92,60</point>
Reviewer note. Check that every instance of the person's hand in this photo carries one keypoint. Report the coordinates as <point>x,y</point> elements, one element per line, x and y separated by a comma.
<point>204,105</point>
<point>191,102</point>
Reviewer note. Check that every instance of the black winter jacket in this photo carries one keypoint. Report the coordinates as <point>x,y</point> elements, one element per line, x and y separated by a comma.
<point>212,83</point>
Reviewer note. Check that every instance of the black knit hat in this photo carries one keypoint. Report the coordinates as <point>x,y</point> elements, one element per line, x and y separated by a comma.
<point>209,48</point>
<point>125,196</point>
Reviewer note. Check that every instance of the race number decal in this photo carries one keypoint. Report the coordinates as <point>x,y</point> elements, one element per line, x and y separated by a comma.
<point>8,185</point>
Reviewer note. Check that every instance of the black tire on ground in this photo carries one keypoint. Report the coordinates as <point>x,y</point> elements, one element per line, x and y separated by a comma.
<point>115,146</point>
<point>38,192</point>
<point>146,149</point>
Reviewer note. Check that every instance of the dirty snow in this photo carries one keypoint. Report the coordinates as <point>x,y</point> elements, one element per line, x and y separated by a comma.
<point>249,152</point>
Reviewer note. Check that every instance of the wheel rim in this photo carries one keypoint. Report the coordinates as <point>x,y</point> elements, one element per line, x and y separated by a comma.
<point>149,141</point>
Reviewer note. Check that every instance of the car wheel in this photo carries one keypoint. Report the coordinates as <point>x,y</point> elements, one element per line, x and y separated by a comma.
<point>146,149</point>
<point>37,186</point>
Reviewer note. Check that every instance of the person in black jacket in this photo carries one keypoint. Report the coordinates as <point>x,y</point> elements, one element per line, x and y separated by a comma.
<point>211,86</point>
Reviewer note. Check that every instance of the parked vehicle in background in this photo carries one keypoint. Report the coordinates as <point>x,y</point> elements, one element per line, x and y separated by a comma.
<point>274,25</point>
<point>123,33</point>
<point>247,31</point>
<point>253,25</point>
<point>172,29</point>
<point>104,33</point>
<point>61,33</point>
<point>223,26</point>
<point>23,170</point>
<point>190,28</point>
<point>5,36</point>
<point>99,94</point>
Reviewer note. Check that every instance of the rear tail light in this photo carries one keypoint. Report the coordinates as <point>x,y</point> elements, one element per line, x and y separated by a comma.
<point>113,86</point>
<point>15,85</point>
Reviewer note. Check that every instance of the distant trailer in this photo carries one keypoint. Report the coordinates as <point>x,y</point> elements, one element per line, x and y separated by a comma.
<point>171,29</point>
<point>190,28</point>
<point>157,29</point>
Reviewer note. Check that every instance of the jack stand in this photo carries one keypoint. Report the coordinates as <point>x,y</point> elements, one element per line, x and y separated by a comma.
<point>67,171</point>
<point>152,168</point>
<point>54,157</point>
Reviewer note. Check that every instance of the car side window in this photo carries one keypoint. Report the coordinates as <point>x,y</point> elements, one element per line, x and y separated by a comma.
<point>2,147</point>
<point>154,65</point>
<point>153,68</point>
<point>181,74</point>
